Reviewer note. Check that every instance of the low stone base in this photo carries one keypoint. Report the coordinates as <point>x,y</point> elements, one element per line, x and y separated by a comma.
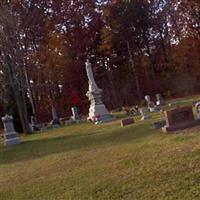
<point>101,111</point>
<point>189,124</point>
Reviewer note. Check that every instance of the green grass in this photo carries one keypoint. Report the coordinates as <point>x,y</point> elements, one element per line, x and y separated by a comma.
<point>102,162</point>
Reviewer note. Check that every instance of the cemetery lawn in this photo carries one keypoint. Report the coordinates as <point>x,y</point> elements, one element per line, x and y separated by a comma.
<point>103,162</point>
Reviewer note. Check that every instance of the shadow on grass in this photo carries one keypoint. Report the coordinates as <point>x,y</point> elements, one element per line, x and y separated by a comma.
<point>97,138</point>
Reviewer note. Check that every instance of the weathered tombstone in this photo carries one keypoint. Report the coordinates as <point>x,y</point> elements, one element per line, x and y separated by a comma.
<point>34,126</point>
<point>75,114</point>
<point>55,122</point>
<point>197,106</point>
<point>126,122</point>
<point>159,100</point>
<point>94,95</point>
<point>179,118</point>
<point>145,113</point>
<point>150,104</point>
<point>10,135</point>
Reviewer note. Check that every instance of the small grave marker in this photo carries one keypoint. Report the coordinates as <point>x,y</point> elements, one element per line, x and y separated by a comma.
<point>159,100</point>
<point>151,105</point>
<point>144,113</point>
<point>126,122</point>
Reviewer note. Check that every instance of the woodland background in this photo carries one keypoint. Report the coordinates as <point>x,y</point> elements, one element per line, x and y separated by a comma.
<point>136,47</point>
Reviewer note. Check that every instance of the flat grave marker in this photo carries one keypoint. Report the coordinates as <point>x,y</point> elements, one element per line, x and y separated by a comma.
<point>126,122</point>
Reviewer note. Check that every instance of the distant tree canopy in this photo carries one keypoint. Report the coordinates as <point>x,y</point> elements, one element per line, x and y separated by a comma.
<point>136,48</point>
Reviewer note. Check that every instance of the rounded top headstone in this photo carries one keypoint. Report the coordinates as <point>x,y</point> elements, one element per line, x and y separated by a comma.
<point>7,118</point>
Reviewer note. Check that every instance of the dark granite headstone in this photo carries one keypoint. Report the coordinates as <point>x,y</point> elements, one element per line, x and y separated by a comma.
<point>179,118</point>
<point>126,122</point>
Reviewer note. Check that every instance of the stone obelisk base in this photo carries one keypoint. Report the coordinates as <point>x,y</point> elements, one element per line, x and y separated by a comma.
<point>101,111</point>
<point>97,108</point>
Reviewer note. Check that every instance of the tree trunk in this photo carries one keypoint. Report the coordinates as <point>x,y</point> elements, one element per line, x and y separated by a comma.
<point>135,73</point>
<point>19,98</point>
<point>153,73</point>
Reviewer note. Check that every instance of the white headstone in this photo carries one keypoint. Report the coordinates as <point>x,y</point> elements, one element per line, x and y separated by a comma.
<point>10,135</point>
<point>159,100</point>
<point>144,113</point>
<point>147,98</point>
<point>150,104</point>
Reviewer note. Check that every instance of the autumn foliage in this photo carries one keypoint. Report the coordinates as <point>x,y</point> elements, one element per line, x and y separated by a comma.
<point>136,48</point>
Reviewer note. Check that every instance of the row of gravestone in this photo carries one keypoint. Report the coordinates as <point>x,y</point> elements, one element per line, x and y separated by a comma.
<point>175,119</point>
<point>11,136</point>
<point>144,112</point>
<point>154,106</point>
<point>56,121</point>
<point>151,107</point>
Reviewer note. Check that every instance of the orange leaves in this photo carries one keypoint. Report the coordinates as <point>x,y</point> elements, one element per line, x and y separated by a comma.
<point>56,43</point>
<point>106,38</point>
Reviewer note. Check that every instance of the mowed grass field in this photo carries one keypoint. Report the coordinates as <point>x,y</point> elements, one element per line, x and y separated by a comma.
<point>103,162</point>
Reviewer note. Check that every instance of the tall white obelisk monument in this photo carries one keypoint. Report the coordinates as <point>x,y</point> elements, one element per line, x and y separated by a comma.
<point>94,94</point>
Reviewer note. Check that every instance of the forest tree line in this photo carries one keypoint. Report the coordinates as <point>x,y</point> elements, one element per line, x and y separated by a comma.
<point>136,47</point>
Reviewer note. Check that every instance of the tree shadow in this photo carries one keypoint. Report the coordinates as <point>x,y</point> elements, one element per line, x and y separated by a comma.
<point>38,148</point>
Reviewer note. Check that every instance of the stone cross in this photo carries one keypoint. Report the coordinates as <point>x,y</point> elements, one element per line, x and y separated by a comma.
<point>10,135</point>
